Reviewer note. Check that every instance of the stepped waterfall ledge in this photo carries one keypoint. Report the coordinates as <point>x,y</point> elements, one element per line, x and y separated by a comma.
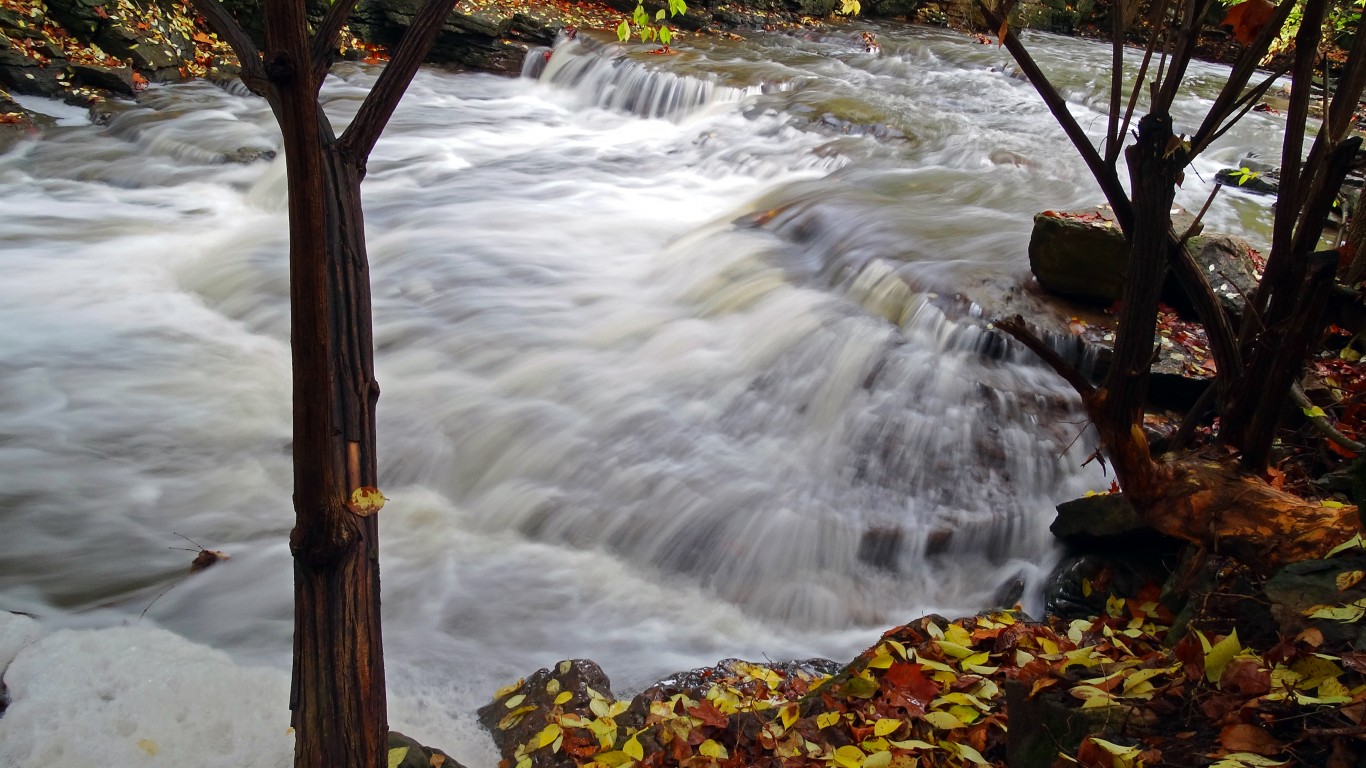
<point>684,358</point>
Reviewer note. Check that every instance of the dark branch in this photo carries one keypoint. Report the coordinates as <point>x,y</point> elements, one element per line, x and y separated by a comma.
<point>1016,328</point>
<point>1104,174</point>
<point>226,27</point>
<point>325,37</point>
<point>379,106</point>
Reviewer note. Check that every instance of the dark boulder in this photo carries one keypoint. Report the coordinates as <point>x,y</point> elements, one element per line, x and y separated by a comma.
<point>522,712</point>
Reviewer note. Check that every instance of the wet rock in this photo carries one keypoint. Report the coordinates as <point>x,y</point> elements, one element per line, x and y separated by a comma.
<point>1082,254</point>
<point>116,80</point>
<point>1227,262</point>
<point>1251,175</point>
<point>1298,588</point>
<point>1111,551</point>
<point>418,756</point>
<point>695,683</point>
<point>1042,727</point>
<point>1089,521</point>
<point>518,714</point>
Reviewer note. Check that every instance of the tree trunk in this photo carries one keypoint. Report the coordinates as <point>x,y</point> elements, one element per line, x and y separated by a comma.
<point>338,695</point>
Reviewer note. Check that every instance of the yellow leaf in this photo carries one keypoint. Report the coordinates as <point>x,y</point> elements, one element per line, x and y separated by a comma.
<point>553,687</point>
<point>150,747</point>
<point>957,634</point>
<point>546,737</point>
<point>1126,754</point>
<point>1331,504</point>
<point>882,660</point>
<point>507,689</point>
<point>613,759</point>
<point>943,720</point>
<point>1085,587</point>
<point>849,756</point>
<point>1348,579</point>
<point>712,749</point>
<point>967,753</point>
<point>885,726</point>
<point>633,749</point>
<point>366,500</point>
<point>878,760</point>
<point>396,756</point>
<point>975,660</point>
<point>827,719</point>
<point>1345,613</point>
<point>914,744</point>
<point>514,701</point>
<point>514,717</point>
<point>605,729</point>
<point>789,714</point>
<point>563,697</point>
<point>956,650</point>
<point>1219,655</point>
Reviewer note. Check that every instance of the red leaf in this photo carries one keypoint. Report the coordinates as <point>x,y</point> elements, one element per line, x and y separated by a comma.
<point>910,681</point>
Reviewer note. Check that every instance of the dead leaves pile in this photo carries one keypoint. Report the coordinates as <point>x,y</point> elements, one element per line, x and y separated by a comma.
<point>931,694</point>
<point>40,38</point>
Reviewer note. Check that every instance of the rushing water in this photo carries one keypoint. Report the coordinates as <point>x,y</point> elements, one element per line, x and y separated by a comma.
<point>680,361</point>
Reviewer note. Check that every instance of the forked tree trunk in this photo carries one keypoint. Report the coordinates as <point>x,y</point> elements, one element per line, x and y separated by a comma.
<point>338,693</point>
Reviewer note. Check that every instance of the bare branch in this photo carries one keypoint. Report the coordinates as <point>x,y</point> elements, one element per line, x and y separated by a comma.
<point>1022,333</point>
<point>1322,424</point>
<point>377,108</point>
<point>1113,138</point>
<point>1242,106</point>
<point>1104,173</point>
<point>325,37</point>
<point>226,27</point>
<point>1225,103</point>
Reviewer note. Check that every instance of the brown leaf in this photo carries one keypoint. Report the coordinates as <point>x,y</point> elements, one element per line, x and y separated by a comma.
<point>1249,738</point>
<point>1247,19</point>
<point>1001,34</point>
<point>1245,676</point>
<point>206,558</point>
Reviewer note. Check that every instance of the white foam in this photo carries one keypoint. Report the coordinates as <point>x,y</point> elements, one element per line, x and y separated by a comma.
<point>133,696</point>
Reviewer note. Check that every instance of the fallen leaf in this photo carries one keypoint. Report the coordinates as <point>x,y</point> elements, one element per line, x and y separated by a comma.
<point>1249,738</point>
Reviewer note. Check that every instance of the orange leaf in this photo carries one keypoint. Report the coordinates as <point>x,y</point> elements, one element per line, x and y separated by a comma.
<point>1001,34</point>
<point>1247,19</point>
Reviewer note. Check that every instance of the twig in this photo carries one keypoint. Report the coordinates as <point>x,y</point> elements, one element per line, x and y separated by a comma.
<point>1322,424</point>
<point>1017,329</point>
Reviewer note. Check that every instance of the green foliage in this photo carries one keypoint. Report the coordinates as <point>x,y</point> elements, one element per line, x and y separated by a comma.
<point>648,29</point>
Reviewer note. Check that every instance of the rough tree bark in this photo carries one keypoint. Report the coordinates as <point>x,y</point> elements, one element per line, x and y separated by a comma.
<point>338,691</point>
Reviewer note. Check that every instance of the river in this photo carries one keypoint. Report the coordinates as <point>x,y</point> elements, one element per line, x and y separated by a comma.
<point>674,362</point>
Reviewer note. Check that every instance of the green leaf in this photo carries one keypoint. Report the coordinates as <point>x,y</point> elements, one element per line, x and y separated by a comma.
<point>640,17</point>
<point>623,31</point>
<point>665,35</point>
<point>659,15</point>
<point>1219,655</point>
<point>1356,542</point>
<point>396,756</point>
<point>1314,413</point>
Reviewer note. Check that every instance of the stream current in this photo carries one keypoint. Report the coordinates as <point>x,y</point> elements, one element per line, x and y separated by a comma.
<point>674,369</point>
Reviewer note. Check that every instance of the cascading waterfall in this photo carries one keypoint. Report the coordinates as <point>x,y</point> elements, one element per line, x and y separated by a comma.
<point>679,363</point>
